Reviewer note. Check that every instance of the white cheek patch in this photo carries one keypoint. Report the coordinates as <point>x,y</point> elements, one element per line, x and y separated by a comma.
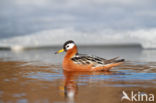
<point>70,46</point>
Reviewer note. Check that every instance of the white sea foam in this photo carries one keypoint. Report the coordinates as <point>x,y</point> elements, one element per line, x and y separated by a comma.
<point>146,38</point>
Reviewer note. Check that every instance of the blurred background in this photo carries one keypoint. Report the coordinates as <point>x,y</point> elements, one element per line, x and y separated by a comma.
<point>40,23</point>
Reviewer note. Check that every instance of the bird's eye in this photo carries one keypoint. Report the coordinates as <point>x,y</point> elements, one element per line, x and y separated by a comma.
<point>67,46</point>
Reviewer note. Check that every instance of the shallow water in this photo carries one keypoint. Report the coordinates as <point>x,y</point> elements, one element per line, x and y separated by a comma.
<point>36,76</point>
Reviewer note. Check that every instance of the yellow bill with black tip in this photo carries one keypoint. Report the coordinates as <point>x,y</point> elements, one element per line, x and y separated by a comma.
<point>62,50</point>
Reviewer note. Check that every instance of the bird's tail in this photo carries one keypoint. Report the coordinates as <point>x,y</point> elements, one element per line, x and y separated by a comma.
<point>115,63</point>
<point>120,60</point>
<point>110,64</point>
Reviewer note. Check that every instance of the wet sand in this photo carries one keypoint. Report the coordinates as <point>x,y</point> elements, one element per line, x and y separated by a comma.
<point>23,82</point>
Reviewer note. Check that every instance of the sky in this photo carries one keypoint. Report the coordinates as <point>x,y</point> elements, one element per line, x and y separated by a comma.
<point>25,17</point>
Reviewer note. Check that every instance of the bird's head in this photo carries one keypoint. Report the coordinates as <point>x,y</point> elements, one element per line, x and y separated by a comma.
<point>68,46</point>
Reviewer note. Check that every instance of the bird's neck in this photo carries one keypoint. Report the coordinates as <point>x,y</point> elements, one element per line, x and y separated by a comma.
<point>72,52</point>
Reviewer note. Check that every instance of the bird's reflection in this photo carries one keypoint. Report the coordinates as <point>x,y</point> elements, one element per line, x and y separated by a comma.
<point>70,85</point>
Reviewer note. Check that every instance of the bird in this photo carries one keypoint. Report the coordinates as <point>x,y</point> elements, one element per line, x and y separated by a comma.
<point>74,61</point>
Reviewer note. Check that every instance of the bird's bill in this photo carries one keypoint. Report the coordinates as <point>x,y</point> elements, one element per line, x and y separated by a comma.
<point>62,50</point>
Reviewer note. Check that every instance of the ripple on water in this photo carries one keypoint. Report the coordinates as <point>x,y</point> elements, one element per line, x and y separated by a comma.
<point>44,76</point>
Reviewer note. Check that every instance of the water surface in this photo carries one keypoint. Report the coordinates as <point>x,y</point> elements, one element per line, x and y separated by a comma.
<point>36,76</point>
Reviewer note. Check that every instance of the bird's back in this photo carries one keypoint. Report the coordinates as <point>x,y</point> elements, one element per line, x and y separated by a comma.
<point>95,61</point>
